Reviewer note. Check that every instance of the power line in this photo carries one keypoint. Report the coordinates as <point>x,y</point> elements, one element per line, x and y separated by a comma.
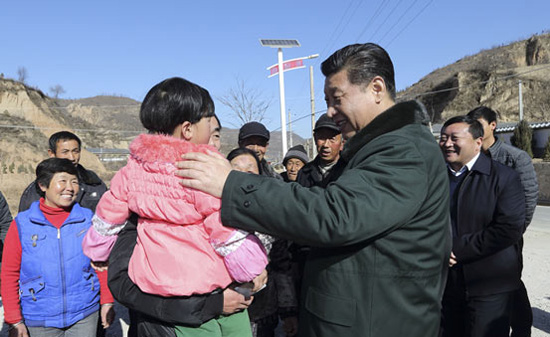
<point>435,92</point>
<point>300,118</point>
<point>14,126</point>
<point>370,21</point>
<point>398,21</point>
<point>329,41</point>
<point>385,20</point>
<point>475,83</point>
<point>409,23</point>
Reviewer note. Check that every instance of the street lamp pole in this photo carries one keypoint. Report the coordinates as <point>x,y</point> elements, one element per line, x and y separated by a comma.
<point>280,44</point>
<point>282,98</point>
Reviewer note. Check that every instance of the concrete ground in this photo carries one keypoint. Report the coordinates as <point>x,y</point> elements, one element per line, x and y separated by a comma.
<point>536,276</point>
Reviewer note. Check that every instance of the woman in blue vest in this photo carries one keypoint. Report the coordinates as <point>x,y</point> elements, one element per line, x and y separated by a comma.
<point>48,286</point>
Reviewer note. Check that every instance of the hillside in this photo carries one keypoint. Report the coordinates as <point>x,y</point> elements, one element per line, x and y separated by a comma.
<point>28,117</point>
<point>490,78</point>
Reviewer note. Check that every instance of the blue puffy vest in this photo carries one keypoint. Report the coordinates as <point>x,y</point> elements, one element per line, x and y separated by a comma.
<point>57,285</point>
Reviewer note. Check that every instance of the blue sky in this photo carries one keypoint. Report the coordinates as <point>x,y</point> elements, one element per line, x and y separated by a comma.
<point>125,47</point>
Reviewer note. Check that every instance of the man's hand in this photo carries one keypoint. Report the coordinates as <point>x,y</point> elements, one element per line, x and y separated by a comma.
<point>259,281</point>
<point>20,330</point>
<point>204,172</point>
<point>452,260</point>
<point>234,302</point>
<point>107,315</point>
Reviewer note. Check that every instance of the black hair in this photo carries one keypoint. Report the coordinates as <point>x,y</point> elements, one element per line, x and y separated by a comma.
<point>474,126</point>
<point>243,150</point>
<point>46,169</point>
<point>218,120</point>
<point>363,62</point>
<point>172,102</point>
<point>62,136</point>
<point>484,112</point>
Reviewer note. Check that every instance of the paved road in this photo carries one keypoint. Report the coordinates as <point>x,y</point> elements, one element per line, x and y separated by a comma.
<point>536,275</point>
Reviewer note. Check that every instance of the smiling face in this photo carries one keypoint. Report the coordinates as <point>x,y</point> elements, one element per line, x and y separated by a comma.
<point>62,191</point>
<point>245,163</point>
<point>458,145</point>
<point>351,106</point>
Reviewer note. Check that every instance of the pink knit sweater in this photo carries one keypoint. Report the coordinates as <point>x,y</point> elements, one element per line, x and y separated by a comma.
<point>182,247</point>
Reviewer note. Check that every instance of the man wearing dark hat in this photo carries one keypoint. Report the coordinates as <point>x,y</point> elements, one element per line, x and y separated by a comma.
<point>325,167</point>
<point>254,136</point>
<point>294,161</point>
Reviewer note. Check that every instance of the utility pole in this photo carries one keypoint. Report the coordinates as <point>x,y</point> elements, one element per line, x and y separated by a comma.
<point>520,103</point>
<point>289,130</point>
<point>312,100</point>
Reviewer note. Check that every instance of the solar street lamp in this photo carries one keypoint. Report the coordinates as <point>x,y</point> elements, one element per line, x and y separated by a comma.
<point>280,44</point>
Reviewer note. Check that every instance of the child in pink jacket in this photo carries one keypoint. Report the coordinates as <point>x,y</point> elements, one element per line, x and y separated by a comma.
<point>182,248</point>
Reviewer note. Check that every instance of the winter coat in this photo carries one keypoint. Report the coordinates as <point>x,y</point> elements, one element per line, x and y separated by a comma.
<point>520,161</point>
<point>157,313</point>
<point>61,289</point>
<point>91,190</point>
<point>490,215</point>
<point>178,227</point>
<point>380,233</point>
<point>310,175</point>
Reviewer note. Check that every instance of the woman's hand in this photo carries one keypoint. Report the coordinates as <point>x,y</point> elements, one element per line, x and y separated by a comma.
<point>107,315</point>
<point>20,330</point>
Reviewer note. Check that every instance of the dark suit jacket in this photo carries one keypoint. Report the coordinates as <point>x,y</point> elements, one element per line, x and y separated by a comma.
<point>490,218</point>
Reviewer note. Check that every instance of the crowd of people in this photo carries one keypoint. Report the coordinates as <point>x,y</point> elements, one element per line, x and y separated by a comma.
<point>386,232</point>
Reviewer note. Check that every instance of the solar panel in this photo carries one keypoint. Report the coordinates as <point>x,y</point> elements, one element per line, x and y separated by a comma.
<point>279,43</point>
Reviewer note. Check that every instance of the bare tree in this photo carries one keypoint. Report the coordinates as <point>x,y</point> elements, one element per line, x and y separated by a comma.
<point>22,74</point>
<point>246,104</point>
<point>57,90</point>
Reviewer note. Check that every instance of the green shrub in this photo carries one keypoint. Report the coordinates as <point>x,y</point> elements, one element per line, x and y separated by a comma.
<point>546,154</point>
<point>522,138</point>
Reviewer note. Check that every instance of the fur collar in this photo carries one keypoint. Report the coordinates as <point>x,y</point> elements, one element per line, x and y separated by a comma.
<point>162,148</point>
<point>396,117</point>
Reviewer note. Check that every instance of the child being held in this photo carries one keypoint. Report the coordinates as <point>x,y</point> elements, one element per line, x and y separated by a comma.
<point>182,248</point>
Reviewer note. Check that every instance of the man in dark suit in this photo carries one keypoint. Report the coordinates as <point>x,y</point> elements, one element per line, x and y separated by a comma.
<point>487,217</point>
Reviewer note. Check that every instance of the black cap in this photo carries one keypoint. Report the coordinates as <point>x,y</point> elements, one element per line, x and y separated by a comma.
<point>326,122</point>
<point>253,129</point>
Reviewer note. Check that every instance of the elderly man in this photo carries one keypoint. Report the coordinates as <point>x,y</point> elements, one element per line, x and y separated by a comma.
<point>487,217</point>
<point>379,232</point>
<point>325,167</point>
<point>65,144</point>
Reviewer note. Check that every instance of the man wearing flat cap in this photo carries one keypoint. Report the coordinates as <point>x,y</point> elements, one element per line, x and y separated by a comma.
<point>255,136</point>
<point>325,167</point>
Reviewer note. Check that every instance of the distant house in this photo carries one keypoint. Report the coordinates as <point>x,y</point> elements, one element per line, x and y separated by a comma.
<point>541,132</point>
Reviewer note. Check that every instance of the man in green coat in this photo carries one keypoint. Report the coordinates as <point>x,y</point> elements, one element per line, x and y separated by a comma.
<point>380,233</point>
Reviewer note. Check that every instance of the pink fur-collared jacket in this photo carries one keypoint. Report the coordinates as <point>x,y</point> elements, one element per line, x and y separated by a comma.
<point>182,247</point>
